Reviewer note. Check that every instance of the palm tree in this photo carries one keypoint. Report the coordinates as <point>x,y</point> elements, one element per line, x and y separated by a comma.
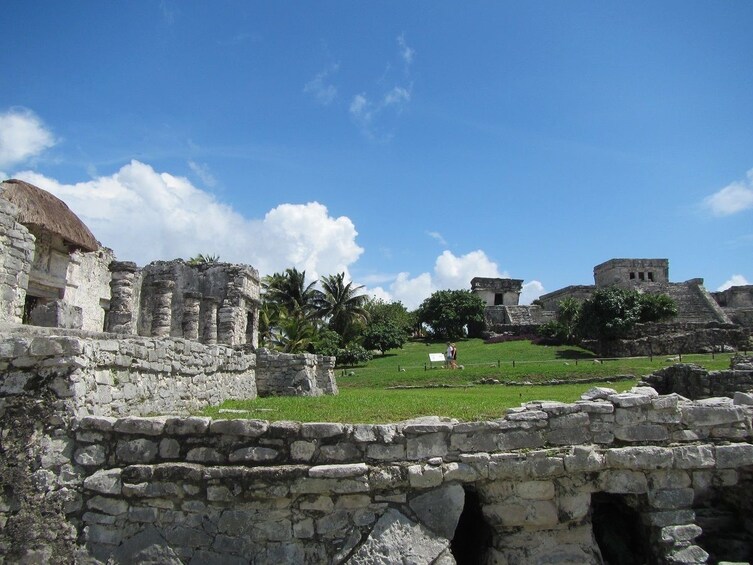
<point>292,334</point>
<point>341,305</point>
<point>288,291</point>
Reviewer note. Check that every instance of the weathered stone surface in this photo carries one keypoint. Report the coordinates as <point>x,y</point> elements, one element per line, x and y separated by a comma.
<point>439,510</point>
<point>396,539</point>
<point>106,481</point>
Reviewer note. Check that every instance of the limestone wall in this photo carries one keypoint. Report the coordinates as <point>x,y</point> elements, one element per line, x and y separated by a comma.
<point>695,382</point>
<point>279,374</point>
<point>16,256</point>
<point>522,488</point>
<point>88,286</point>
<point>135,376</point>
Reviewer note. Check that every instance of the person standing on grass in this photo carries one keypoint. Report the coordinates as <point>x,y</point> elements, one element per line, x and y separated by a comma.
<point>454,360</point>
<point>448,355</point>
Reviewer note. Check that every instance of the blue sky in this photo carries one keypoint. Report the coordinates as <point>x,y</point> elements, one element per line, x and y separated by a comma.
<point>413,145</point>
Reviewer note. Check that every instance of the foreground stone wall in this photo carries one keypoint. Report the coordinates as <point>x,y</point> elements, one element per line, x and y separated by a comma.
<point>523,488</point>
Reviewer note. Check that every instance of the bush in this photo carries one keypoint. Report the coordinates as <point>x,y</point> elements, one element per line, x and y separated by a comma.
<point>352,355</point>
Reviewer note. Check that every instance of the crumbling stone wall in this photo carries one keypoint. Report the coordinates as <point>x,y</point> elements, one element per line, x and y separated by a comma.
<point>136,376</point>
<point>176,489</point>
<point>304,374</point>
<point>16,256</point>
<point>695,382</point>
<point>672,338</point>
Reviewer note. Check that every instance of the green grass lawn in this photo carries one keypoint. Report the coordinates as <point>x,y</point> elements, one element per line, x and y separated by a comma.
<point>367,394</point>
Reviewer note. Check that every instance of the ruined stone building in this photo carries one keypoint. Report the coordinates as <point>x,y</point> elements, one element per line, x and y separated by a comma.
<point>737,303</point>
<point>54,272</point>
<point>694,303</point>
<point>503,311</point>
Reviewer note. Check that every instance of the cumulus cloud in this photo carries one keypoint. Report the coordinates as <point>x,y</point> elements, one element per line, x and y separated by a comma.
<point>733,198</point>
<point>323,91</point>
<point>734,280</point>
<point>451,272</point>
<point>531,291</point>
<point>146,215</point>
<point>22,136</point>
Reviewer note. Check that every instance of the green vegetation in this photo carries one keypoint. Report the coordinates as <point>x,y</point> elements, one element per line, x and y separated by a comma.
<point>610,313</point>
<point>366,395</point>
<point>448,312</point>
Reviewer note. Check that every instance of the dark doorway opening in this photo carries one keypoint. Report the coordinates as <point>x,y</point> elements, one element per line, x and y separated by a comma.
<point>725,515</point>
<point>30,303</point>
<point>617,528</point>
<point>473,535</point>
<point>499,299</point>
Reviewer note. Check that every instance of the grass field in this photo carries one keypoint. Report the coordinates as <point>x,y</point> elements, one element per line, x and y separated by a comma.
<point>368,394</point>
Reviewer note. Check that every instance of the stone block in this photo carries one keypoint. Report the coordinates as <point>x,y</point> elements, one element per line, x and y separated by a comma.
<point>104,482</point>
<point>141,426</point>
<point>584,459</point>
<point>187,426</point>
<point>318,430</point>
<point>111,506</point>
<point>671,498</point>
<point>253,455</point>
<point>641,433</point>
<point>439,509</point>
<point>623,482</point>
<point>693,456</point>
<point>339,471</point>
<point>734,456</point>
<point>675,534</point>
<point>460,472</point>
<point>243,428</point>
<point>380,452</point>
<point>531,514</point>
<point>426,446</point>
<point>709,415</point>
<point>639,458</point>
<point>535,490</point>
<point>136,451</point>
<point>671,518</point>
<point>424,476</point>
<point>302,450</point>
<point>205,455</point>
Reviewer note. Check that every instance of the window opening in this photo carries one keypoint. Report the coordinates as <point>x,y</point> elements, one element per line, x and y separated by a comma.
<point>499,299</point>
<point>632,275</point>
<point>650,276</point>
<point>641,275</point>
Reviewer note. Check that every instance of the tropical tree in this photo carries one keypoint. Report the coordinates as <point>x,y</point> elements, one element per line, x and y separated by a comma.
<point>202,259</point>
<point>289,292</point>
<point>389,326</point>
<point>292,334</point>
<point>341,305</point>
<point>448,312</point>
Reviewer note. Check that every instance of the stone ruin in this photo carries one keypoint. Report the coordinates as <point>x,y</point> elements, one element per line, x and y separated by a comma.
<point>139,326</point>
<point>89,475</point>
<point>705,321</point>
<point>503,312</point>
<point>634,477</point>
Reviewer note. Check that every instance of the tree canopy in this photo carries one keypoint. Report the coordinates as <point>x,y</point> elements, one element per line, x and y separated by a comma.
<point>448,312</point>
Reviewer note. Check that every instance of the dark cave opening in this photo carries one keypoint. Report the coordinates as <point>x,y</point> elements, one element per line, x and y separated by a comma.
<point>473,534</point>
<point>618,530</point>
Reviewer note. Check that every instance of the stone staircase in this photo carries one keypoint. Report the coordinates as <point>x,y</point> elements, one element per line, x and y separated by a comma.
<point>694,303</point>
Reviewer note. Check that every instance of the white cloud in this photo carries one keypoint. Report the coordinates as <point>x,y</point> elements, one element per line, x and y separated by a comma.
<point>531,291</point>
<point>323,91</point>
<point>734,280</point>
<point>406,53</point>
<point>202,171</point>
<point>438,236</point>
<point>733,198</point>
<point>22,136</point>
<point>397,96</point>
<point>145,215</point>
<point>450,273</point>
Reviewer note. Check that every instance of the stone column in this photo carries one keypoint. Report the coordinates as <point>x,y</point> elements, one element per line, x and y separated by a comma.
<point>163,308</point>
<point>121,318</point>
<point>191,308</point>
<point>226,331</point>
<point>209,320</point>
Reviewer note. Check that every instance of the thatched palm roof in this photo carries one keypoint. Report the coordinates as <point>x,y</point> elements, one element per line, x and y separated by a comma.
<point>38,207</point>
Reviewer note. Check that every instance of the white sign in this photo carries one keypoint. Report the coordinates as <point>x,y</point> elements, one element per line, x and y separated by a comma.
<point>436,357</point>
